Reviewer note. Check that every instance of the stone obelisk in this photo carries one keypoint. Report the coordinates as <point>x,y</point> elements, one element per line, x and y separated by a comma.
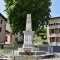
<point>28,34</point>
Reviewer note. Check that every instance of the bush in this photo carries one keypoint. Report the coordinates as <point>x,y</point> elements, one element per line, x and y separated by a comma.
<point>45,43</point>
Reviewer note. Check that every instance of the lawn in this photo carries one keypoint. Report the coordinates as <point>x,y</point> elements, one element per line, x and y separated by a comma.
<point>5,51</point>
<point>2,51</point>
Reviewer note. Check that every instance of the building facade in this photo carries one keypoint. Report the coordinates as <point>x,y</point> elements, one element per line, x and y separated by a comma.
<point>8,38</point>
<point>5,35</point>
<point>53,31</point>
<point>2,28</point>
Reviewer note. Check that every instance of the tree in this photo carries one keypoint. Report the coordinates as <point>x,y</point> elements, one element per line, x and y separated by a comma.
<point>43,33</point>
<point>18,9</point>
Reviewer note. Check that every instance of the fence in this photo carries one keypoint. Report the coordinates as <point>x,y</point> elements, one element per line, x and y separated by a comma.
<point>48,48</point>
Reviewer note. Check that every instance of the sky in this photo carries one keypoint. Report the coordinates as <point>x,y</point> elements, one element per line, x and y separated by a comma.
<point>55,8</point>
<point>2,8</point>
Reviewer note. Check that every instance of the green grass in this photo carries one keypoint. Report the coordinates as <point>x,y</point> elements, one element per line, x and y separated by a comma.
<point>38,40</point>
<point>2,51</point>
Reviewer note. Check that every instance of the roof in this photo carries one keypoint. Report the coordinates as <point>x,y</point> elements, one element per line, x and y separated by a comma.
<point>3,17</point>
<point>7,32</point>
<point>54,18</point>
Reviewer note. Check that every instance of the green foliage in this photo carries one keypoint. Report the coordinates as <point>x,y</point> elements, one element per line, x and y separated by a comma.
<point>38,40</point>
<point>20,42</point>
<point>42,32</point>
<point>18,9</point>
<point>15,42</point>
<point>45,42</point>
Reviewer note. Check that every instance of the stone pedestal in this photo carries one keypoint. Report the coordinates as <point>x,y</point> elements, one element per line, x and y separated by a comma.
<point>28,40</point>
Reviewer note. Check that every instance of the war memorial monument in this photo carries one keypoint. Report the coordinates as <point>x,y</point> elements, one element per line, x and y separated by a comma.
<point>28,51</point>
<point>28,46</point>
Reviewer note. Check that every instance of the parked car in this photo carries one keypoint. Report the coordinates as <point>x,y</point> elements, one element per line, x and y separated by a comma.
<point>48,57</point>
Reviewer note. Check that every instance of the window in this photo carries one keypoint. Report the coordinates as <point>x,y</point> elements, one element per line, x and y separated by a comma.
<point>52,30</point>
<point>59,30</point>
<point>0,29</point>
<point>52,39</point>
<point>5,38</point>
<point>58,23</point>
<point>1,21</point>
<point>52,24</point>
